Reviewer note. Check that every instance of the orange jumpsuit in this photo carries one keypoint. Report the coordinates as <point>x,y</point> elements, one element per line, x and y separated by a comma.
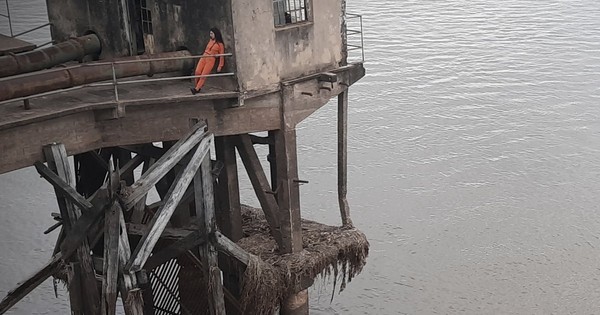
<point>206,64</point>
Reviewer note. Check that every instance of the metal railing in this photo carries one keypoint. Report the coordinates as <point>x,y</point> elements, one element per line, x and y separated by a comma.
<point>354,32</point>
<point>115,81</point>
<point>9,17</point>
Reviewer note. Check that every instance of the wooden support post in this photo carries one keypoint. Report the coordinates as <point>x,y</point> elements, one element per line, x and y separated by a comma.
<point>111,260</point>
<point>343,158</point>
<point>56,156</point>
<point>229,214</point>
<point>159,169</point>
<point>261,187</point>
<point>161,218</point>
<point>205,205</point>
<point>288,190</point>
<point>130,292</point>
<point>16,294</point>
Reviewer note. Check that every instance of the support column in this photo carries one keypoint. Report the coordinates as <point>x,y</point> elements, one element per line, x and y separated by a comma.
<point>229,216</point>
<point>288,192</point>
<point>296,304</point>
<point>343,158</point>
<point>288,196</point>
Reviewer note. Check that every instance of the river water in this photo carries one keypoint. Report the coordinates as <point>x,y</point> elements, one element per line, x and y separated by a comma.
<point>474,145</point>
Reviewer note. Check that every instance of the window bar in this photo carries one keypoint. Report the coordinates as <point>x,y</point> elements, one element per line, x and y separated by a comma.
<point>9,19</point>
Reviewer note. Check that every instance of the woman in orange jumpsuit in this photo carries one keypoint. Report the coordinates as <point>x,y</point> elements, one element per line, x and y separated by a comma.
<point>206,64</point>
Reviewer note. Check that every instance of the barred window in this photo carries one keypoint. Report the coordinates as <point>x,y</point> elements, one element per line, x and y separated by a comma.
<point>146,17</point>
<point>289,11</point>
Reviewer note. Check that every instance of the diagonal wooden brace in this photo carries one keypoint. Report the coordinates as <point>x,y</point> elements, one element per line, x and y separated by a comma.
<point>163,215</point>
<point>159,169</point>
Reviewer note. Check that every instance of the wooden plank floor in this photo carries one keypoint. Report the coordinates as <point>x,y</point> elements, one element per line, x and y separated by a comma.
<point>13,45</point>
<point>103,97</point>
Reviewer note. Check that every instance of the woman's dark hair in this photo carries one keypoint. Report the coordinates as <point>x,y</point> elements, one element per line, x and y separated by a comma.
<point>218,36</point>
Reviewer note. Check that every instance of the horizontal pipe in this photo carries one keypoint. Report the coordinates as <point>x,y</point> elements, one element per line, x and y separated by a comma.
<point>37,83</point>
<point>75,48</point>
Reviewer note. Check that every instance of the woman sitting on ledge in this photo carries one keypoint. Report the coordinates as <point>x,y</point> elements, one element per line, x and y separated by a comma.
<point>205,65</point>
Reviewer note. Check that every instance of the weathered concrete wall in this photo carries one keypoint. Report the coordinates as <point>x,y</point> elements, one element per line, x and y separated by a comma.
<point>266,55</point>
<point>79,17</point>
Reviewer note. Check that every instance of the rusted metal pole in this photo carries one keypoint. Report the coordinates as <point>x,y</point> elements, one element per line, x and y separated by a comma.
<point>75,76</point>
<point>343,158</point>
<point>73,49</point>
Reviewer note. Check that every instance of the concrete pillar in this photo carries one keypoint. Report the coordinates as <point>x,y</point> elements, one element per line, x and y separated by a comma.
<point>296,304</point>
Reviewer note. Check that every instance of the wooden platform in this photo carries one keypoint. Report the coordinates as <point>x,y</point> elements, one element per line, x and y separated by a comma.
<point>14,45</point>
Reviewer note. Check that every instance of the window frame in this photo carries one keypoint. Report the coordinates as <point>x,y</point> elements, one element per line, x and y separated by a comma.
<point>278,14</point>
<point>146,17</point>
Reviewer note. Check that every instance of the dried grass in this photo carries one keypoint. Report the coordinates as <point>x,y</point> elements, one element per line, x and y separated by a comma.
<point>271,276</point>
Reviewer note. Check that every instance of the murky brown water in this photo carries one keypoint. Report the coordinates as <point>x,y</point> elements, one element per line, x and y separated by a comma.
<point>474,148</point>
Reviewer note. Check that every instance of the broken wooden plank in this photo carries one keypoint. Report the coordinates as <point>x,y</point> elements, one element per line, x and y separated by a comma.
<point>261,185</point>
<point>23,288</point>
<point>111,261</point>
<point>174,196</point>
<point>159,169</point>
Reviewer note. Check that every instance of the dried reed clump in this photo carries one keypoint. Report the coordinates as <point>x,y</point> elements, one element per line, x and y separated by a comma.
<point>271,276</point>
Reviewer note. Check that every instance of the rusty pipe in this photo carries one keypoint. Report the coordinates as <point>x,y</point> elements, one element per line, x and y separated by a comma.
<point>75,48</point>
<point>56,79</point>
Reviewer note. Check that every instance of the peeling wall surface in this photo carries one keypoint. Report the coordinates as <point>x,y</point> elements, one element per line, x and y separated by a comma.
<point>266,54</point>
<point>79,17</point>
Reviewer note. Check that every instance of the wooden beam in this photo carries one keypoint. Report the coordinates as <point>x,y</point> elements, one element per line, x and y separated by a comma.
<point>174,234</point>
<point>232,249</point>
<point>261,185</point>
<point>131,164</point>
<point>58,162</point>
<point>205,205</point>
<point>343,158</point>
<point>161,218</point>
<point>260,140</point>
<point>159,169</point>
<point>139,209</point>
<point>111,260</point>
<point>229,213</point>
<point>192,239</point>
<point>23,288</point>
<point>62,187</point>
<point>128,284</point>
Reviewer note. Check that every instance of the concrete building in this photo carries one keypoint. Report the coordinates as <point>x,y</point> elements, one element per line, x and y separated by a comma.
<point>284,59</point>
